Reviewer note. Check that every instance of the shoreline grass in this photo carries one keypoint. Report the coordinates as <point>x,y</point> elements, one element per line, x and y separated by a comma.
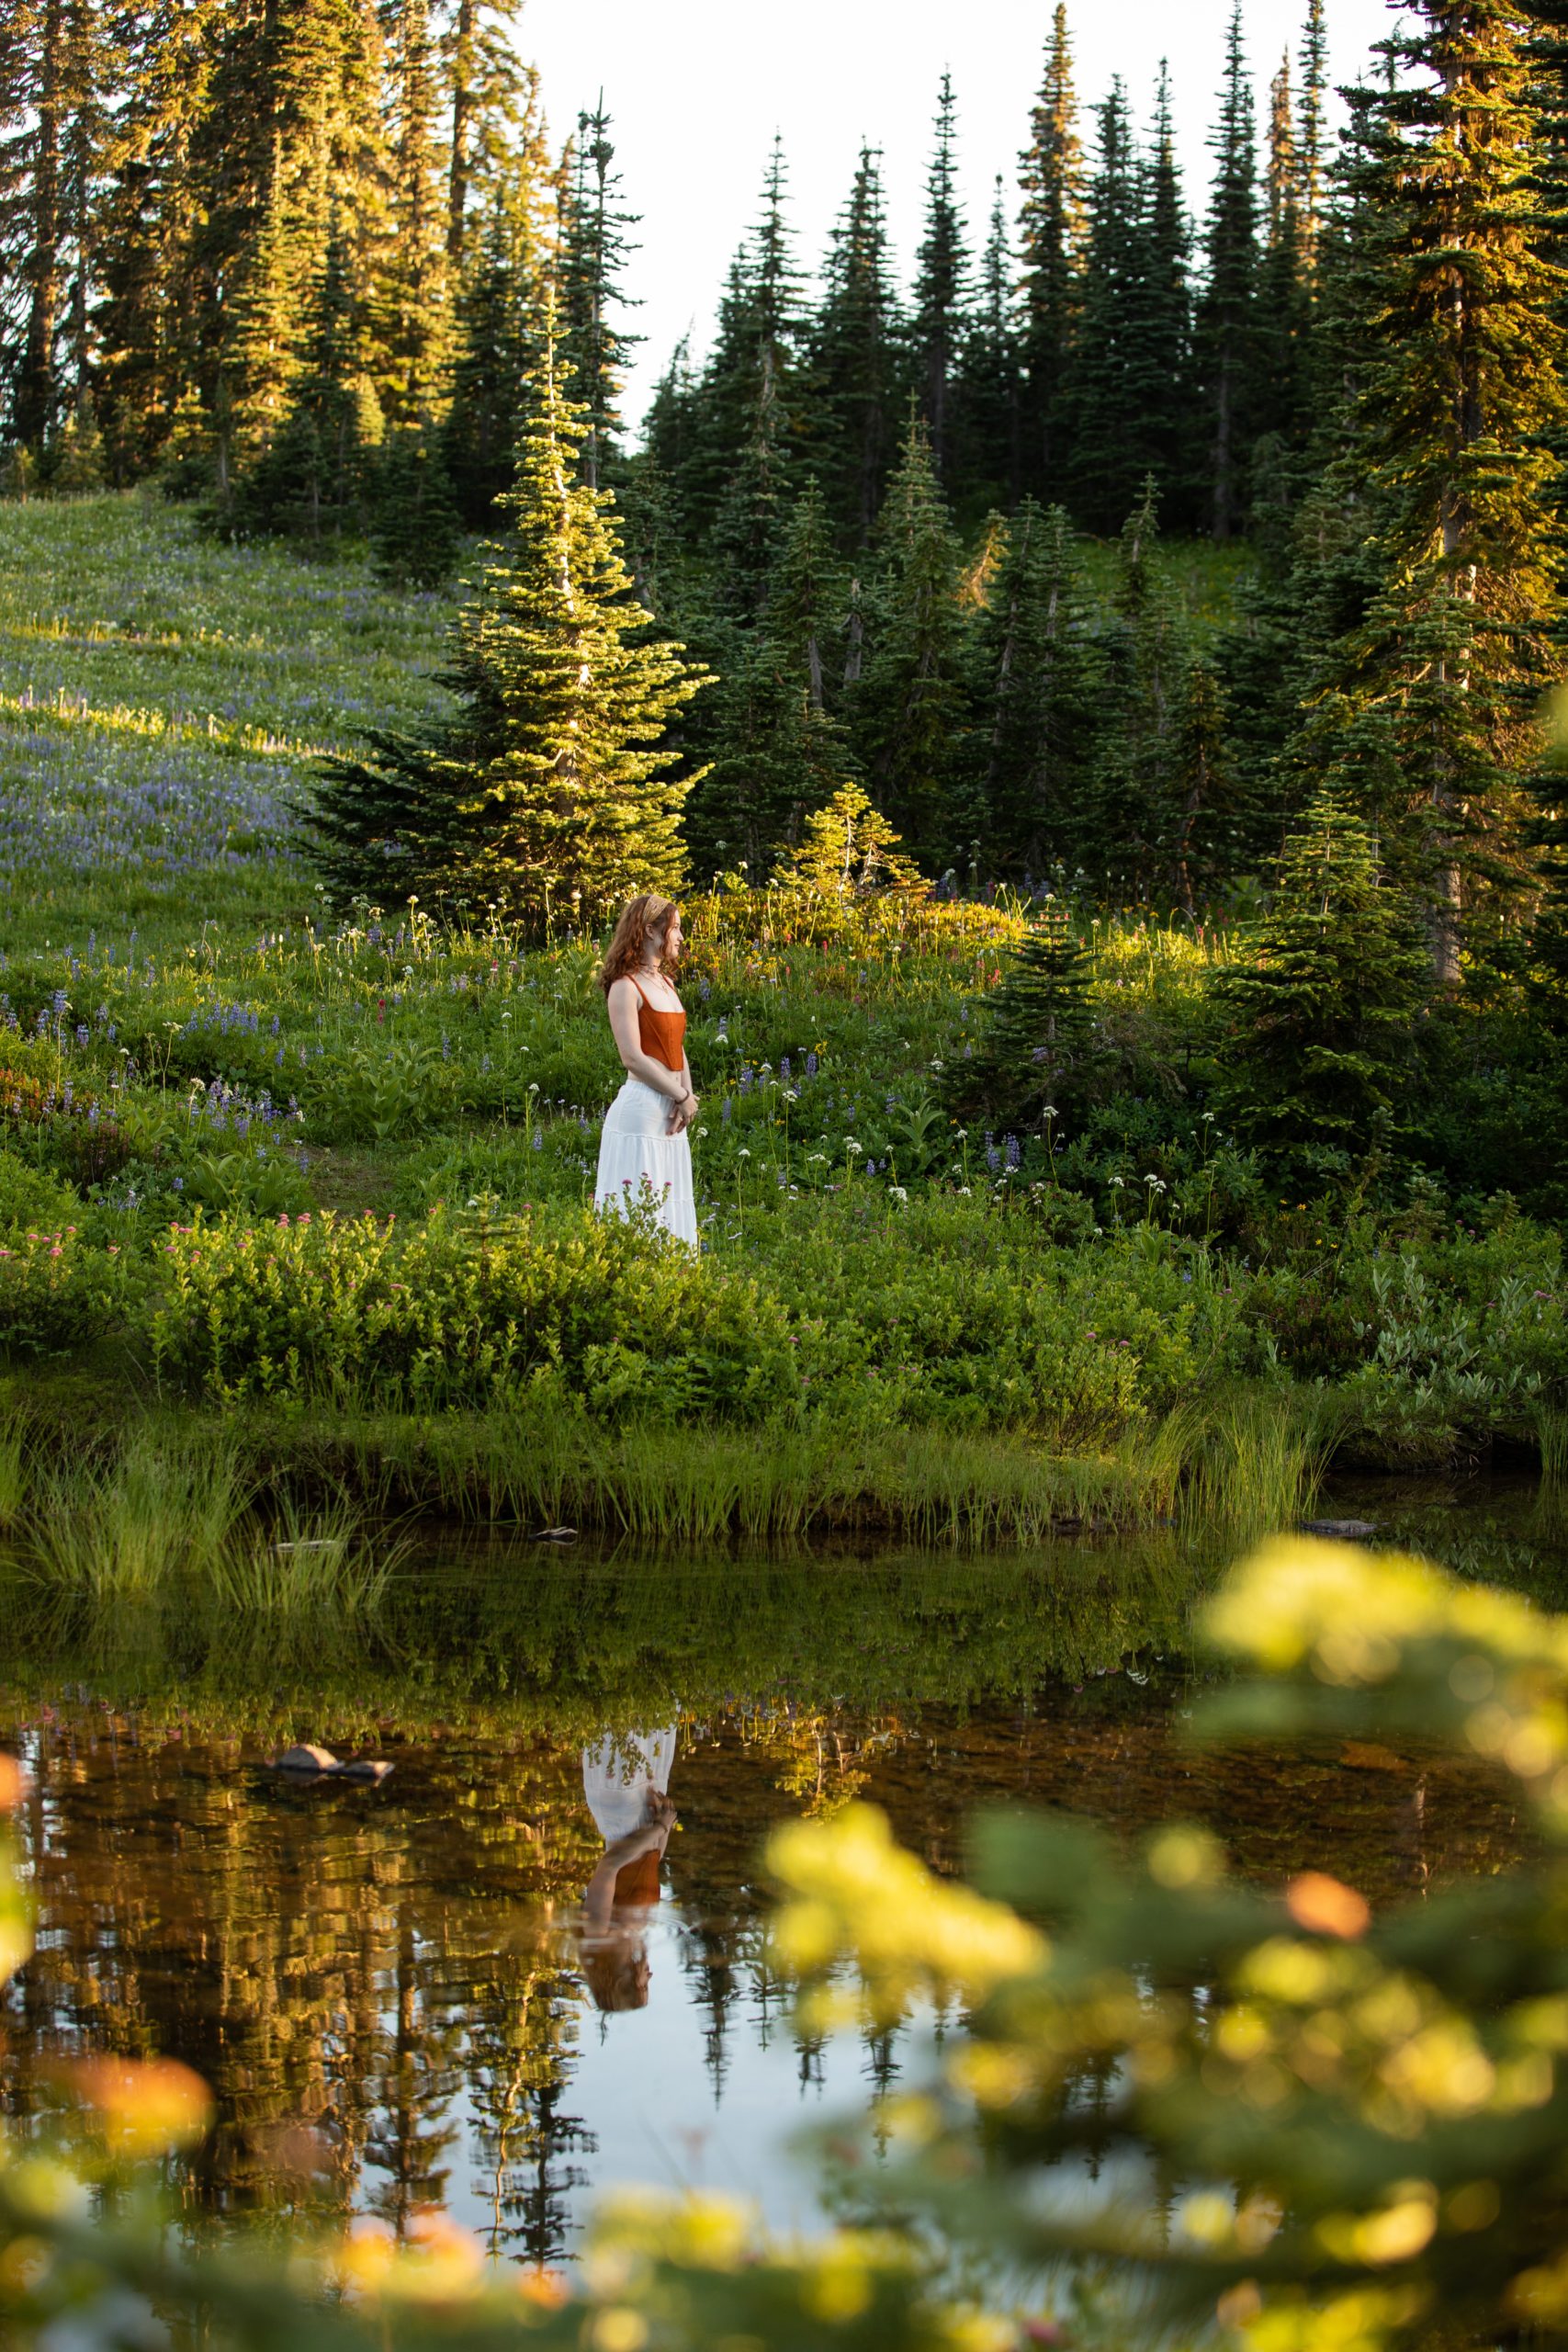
<point>162,1492</point>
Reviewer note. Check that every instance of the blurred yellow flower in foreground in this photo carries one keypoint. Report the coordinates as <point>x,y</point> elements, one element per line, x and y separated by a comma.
<point>850,1889</point>
<point>146,2104</point>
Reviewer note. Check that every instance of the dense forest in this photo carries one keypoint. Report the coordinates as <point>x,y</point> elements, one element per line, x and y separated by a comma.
<point>311,261</point>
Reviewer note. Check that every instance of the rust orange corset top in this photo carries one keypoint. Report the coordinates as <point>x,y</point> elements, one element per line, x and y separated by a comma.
<point>662,1034</point>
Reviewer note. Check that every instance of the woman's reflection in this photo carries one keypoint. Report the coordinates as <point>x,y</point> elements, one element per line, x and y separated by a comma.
<point>626,1780</point>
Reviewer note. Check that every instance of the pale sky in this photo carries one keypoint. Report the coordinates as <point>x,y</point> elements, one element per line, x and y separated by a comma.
<point>697,89</point>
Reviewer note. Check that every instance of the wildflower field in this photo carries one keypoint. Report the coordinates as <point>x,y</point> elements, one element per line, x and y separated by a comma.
<point>321,1173</point>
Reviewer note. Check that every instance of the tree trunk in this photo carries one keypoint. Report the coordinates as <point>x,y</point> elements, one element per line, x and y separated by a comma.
<point>36,391</point>
<point>462,107</point>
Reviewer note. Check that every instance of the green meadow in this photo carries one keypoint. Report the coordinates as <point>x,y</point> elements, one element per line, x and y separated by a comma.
<point>305,1187</point>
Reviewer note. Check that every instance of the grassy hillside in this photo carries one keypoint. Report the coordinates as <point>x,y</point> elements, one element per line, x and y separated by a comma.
<point>216,1092</point>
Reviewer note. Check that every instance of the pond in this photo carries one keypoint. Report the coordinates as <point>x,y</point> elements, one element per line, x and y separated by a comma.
<point>434,1990</point>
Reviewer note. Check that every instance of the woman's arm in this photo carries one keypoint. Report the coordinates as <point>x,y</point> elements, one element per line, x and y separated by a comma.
<point>598,1896</point>
<point>684,1114</point>
<point>624,1001</point>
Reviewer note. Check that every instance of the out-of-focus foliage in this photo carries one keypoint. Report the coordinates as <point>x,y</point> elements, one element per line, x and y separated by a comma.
<point>1317,2126</point>
<point>1311,2126</point>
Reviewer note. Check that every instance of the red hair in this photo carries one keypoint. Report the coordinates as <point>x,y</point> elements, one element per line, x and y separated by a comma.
<point>648,917</point>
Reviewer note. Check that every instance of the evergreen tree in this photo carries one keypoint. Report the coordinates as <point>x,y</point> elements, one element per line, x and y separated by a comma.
<point>743,416</point>
<point>58,69</point>
<point>1158,336</point>
<point>550,788</point>
<point>1311,138</point>
<point>1205,851</point>
<point>1050,235</point>
<point>1034,698</point>
<point>1429,703</point>
<point>904,716</point>
<point>776,750</point>
<point>749,520</point>
<point>941,284</point>
<point>849,850</point>
<point>261,343</point>
<point>148,303</point>
<point>497,339</point>
<point>1036,1032</point>
<point>990,382</point>
<point>593,250</point>
<point>1131,819</point>
<point>290,136</point>
<point>309,480</point>
<point>492,102</point>
<point>1108,459</point>
<point>1226,326</point>
<point>414,525</point>
<point>1282,404</point>
<point>855,350</point>
<point>414,306</point>
<point>1318,1022</point>
<point>807,592</point>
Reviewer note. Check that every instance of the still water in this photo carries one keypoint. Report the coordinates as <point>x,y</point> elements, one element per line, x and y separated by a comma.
<point>507,1978</point>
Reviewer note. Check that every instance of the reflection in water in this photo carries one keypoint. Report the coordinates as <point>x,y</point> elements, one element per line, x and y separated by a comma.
<point>625,1780</point>
<point>498,1981</point>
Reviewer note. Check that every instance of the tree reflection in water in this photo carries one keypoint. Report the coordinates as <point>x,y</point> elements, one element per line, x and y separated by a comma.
<point>386,1987</point>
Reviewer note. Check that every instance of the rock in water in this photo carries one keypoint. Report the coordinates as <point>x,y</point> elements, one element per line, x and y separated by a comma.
<point>319,1763</point>
<point>1341,1531</point>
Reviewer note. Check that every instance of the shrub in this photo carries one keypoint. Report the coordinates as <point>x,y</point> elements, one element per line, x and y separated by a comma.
<point>461,1311</point>
<point>58,1293</point>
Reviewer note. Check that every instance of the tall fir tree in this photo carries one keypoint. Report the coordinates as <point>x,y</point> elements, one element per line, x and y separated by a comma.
<point>413,309</point>
<point>1035,702</point>
<point>595,246</point>
<point>1101,400</point>
<point>1049,237</point>
<point>939,306</point>
<point>763,397</point>
<point>991,378</point>
<point>291,135</point>
<point>1311,142</point>
<point>309,480</point>
<point>854,360</point>
<point>776,747</point>
<point>497,337</point>
<point>1226,325</point>
<point>904,715</point>
<point>1282,405</point>
<point>59,70</point>
<point>743,413</point>
<point>1159,328</point>
<point>550,789</point>
<point>1131,814</point>
<point>148,303</point>
<point>1206,839</point>
<point>1426,706</point>
<point>493,105</point>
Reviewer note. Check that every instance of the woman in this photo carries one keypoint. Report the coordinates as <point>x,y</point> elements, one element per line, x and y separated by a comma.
<point>644,1155</point>
<point>625,1780</point>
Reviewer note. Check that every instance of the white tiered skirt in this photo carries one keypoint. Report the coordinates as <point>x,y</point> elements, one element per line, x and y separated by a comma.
<point>641,1160</point>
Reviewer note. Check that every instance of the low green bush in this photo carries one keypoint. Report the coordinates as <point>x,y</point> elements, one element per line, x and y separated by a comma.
<point>459,1311</point>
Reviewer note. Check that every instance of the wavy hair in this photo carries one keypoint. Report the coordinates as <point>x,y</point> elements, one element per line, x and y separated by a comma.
<point>648,917</point>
